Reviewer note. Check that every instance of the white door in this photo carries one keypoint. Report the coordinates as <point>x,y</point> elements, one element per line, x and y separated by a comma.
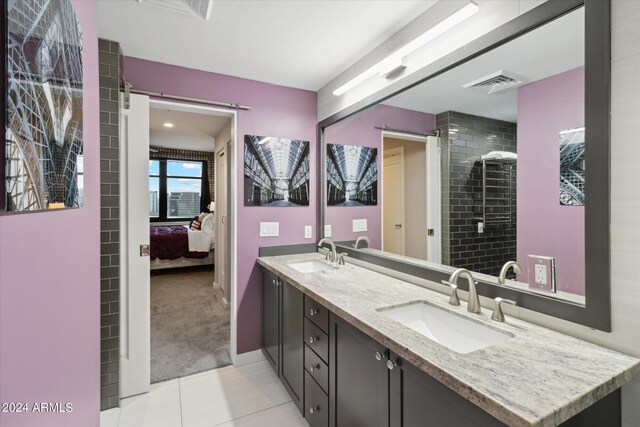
<point>134,275</point>
<point>393,201</point>
<point>434,226</point>
<point>221,212</point>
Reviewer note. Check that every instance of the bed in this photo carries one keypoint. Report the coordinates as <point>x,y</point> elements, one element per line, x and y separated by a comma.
<point>174,246</point>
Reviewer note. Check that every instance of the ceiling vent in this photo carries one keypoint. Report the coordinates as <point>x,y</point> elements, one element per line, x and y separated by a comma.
<point>198,8</point>
<point>495,82</point>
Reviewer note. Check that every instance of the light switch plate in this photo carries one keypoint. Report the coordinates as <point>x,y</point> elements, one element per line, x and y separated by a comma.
<point>307,231</point>
<point>269,229</point>
<point>542,273</point>
<point>327,231</point>
<point>359,225</point>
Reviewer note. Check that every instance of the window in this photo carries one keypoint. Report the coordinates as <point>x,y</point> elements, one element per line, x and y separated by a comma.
<point>175,188</point>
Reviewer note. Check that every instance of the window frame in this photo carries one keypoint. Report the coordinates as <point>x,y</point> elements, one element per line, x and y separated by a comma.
<point>162,188</point>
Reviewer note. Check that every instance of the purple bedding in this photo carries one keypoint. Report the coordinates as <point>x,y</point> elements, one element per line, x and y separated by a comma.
<point>171,242</point>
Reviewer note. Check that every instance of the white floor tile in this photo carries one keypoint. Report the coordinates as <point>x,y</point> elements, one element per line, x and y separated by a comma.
<point>229,393</point>
<point>158,408</point>
<point>286,415</point>
<point>110,417</point>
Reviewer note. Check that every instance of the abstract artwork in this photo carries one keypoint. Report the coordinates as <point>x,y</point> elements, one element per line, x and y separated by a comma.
<point>276,171</point>
<point>43,150</point>
<point>572,167</point>
<point>352,175</point>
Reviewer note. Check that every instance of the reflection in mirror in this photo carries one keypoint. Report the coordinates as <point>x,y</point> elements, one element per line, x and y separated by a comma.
<point>481,165</point>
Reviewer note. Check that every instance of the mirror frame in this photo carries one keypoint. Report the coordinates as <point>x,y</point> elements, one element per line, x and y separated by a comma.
<point>596,313</point>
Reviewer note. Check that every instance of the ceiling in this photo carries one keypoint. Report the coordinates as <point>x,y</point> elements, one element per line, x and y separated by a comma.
<point>193,124</point>
<point>544,52</point>
<point>302,43</point>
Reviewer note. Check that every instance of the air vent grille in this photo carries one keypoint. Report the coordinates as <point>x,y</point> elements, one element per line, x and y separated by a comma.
<point>199,8</point>
<point>495,82</point>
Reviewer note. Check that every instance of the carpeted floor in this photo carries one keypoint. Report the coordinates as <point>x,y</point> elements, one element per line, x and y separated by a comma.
<point>189,326</point>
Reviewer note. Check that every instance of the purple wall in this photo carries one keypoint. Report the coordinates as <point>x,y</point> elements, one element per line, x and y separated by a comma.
<point>544,227</point>
<point>360,130</point>
<point>50,287</point>
<point>277,111</point>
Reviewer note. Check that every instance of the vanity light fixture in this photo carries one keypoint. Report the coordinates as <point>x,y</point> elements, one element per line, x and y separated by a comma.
<point>392,62</point>
<point>168,124</point>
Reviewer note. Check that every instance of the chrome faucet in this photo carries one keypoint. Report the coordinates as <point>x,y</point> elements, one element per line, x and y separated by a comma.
<point>497,314</point>
<point>502,279</point>
<point>331,255</point>
<point>360,239</point>
<point>473,305</point>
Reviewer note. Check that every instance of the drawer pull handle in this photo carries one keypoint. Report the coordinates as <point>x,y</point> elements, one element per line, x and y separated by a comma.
<point>314,367</point>
<point>313,409</point>
<point>391,364</point>
<point>313,339</point>
<point>313,312</point>
<point>379,356</point>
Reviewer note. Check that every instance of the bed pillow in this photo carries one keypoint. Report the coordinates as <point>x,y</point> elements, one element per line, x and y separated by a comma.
<point>208,223</point>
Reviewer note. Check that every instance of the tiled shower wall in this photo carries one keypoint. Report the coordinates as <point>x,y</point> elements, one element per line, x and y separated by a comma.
<point>465,138</point>
<point>109,60</point>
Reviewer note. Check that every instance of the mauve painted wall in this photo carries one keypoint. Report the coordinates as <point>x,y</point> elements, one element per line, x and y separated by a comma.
<point>50,287</point>
<point>544,227</point>
<point>360,130</point>
<point>276,111</point>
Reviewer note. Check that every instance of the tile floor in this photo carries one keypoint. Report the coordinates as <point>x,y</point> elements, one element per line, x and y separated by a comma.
<point>245,396</point>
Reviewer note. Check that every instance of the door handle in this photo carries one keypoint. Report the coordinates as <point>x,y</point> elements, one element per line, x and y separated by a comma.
<point>144,250</point>
<point>431,232</point>
<point>398,225</point>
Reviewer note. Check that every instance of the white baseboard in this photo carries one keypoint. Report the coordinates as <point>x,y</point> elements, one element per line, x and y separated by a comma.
<point>216,285</point>
<point>110,417</point>
<point>249,357</point>
<point>225,303</point>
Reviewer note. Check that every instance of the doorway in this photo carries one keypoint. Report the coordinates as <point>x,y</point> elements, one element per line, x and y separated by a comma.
<point>175,306</point>
<point>411,196</point>
<point>393,193</point>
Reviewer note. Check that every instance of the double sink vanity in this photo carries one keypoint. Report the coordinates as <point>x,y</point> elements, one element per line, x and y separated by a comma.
<point>355,347</point>
<point>455,176</point>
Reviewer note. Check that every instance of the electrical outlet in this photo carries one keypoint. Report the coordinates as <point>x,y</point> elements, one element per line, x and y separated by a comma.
<point>542,273</point>
<point>480,227</point>
<point>327,231</point>
<point>307,231</point>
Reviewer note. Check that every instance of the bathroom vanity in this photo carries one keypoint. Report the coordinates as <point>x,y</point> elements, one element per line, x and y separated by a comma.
<point>344,342</point>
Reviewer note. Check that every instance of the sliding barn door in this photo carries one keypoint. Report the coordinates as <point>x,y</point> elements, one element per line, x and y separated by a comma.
<point>134,217</point>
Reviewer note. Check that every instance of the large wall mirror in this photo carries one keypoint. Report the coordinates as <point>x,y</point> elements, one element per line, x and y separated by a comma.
<point>501,156</point>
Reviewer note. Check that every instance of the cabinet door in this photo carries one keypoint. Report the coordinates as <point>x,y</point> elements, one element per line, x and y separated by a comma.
<point>418,400</point>
<point>292,373</point>
<point>359,382</point>
<point>271,319</point>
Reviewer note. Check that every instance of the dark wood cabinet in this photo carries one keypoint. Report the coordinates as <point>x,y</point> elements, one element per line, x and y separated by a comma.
<point>367,385</point>
<point>358,378</point>
<point>316,403</point>
<point>282,333</point>
<point>292,370</point>
<point>271,319</point>
<point>418,400</point>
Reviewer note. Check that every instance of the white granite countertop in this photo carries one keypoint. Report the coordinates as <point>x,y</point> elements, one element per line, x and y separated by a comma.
<point>537,378</point>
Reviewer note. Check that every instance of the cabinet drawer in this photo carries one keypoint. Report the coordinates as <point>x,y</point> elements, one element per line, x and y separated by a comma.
<point>316,368</point>
<point>316,313</point>
<point>315,338</point>
<point>316,403</point>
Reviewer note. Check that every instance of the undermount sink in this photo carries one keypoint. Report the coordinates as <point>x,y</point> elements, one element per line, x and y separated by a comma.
<point>454,332</point>
<point>311,266</point>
